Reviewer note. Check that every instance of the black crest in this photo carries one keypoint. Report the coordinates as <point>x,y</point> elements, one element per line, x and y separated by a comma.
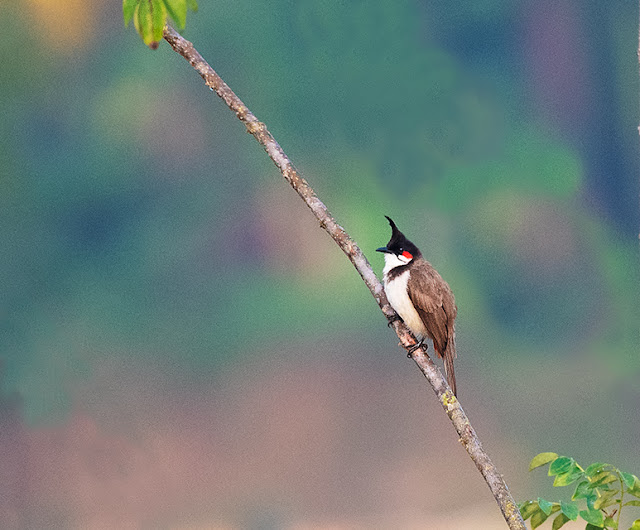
<point>399,243</point>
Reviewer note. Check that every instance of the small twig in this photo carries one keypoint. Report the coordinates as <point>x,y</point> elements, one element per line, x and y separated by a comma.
<point>451,405</point>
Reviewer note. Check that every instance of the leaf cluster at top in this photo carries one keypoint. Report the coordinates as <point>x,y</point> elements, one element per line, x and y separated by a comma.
<point>150,16</point>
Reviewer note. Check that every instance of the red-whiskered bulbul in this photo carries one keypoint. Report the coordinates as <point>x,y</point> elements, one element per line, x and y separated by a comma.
<point>421,297</point>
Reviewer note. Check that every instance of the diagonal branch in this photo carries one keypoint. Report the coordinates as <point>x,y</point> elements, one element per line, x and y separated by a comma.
<point>451,405</point>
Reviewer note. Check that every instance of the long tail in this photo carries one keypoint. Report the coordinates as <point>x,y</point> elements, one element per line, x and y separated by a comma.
<point>449,356</point>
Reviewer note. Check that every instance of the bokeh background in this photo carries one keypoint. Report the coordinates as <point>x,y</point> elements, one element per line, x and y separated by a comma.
<point>183,347</point>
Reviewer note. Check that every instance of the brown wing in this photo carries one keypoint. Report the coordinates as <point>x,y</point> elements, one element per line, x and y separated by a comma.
<point>434,302</point>
<point>433,299</point>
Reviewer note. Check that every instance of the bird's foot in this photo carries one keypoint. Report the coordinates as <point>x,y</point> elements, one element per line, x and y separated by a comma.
<point>413,348</point>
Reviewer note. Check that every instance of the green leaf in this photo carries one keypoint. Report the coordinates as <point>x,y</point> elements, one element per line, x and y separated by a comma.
<point>528,509</point>
<point>177,10</point>
<point>605,499</point>
<point>609,522</point>
<point>632,503</point>
<point>605,504</point>
<point>635,489</point>
<point>593,517</point>
<point>149,19</point>
<point>142,20</point>
<point>628,479</point>
<point>128,8</point>
<point>595,468</point>
<point>592,527</point>
<point>635,525</point>
<point>560,521</point>
<point>564,479</point>
<point>159,18</point>
<point>141,17</point>
<point>591,501</point>
<point>545,506</point>
<point>582,491</point>
<point>538,518</point>
<point>542,459</point>
<point>570,510</point>
<point>604,477</point>
<point>562,464</point>
<point>193,5</point>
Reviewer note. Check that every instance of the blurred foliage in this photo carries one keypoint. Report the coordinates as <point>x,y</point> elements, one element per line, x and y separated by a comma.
<point>601,486</point>
<point>135,219</point>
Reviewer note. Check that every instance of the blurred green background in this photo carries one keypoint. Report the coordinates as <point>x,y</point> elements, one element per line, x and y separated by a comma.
<point>183,347</point>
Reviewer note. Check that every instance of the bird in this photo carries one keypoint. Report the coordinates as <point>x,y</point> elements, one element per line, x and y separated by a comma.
<point>421,298</point>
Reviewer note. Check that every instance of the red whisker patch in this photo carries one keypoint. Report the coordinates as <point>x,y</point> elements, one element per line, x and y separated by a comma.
<point>407,255</point>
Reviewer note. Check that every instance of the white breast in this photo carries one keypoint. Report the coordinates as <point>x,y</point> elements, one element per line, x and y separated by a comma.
<point>399,299</point>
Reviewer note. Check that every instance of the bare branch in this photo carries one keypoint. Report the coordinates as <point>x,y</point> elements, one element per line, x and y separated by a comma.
<point>451,405</point>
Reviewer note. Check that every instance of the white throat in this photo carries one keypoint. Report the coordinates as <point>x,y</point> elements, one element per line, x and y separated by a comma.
<point>391,261</point>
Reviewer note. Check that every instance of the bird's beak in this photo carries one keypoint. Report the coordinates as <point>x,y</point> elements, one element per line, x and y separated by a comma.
<point>383,249</point>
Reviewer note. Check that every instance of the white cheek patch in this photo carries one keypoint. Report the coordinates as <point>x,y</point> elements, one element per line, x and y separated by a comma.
<point>391,261</point>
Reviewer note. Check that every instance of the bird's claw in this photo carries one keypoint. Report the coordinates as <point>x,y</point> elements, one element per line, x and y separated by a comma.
<point>413,348</point>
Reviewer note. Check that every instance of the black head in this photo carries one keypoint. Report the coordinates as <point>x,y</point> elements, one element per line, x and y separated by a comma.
<point>400,245</point>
